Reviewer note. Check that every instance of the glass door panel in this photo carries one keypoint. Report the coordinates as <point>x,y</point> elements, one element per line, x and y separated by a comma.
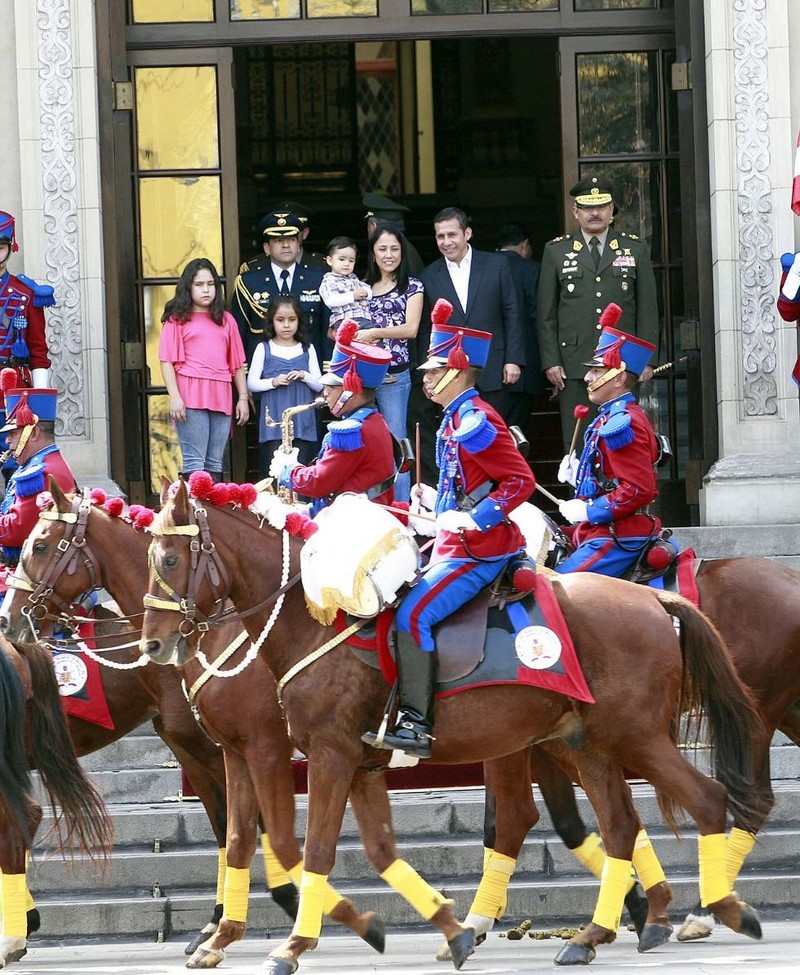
<point>180,159</point>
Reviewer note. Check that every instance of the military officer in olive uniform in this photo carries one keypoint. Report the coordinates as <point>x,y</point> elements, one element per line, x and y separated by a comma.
<point>279,270</point>
<point>580,274</point>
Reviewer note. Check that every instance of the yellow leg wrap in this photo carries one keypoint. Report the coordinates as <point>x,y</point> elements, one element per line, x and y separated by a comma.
<point>487,852</point>
<point>419,894</point>
<point>613,887</point>
<point>591,854</point>
<point>276,875</point>
<point>711,857</point>
<point>15,922</point>
<point>30,903</point>
<point>737,849</point>
<point>646,862</point>
<point>492,893</point>
<point>309,915</point>
<point>332,896</point>
<point>236,894</point>
<point>222,865</point>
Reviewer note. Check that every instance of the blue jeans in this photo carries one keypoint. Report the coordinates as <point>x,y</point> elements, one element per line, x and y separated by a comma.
<point>392,399</point>
<point>203,437</point>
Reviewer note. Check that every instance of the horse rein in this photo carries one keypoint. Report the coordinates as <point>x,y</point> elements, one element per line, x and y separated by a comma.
<point>205,562</point>
<point>72,547</point>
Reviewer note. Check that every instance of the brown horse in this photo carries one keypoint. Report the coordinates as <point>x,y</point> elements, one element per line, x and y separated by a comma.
<point>33,731</point>
<point>638,671</point>
<point>764,646</point>
<point>241,713</point>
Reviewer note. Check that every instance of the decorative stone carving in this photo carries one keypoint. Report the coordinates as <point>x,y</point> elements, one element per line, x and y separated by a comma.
<point>60,206</point>
<point>756,271</point>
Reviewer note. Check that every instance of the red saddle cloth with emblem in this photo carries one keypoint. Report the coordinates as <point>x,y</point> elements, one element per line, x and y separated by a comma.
<point>522,642</point>
<point>80,681</point>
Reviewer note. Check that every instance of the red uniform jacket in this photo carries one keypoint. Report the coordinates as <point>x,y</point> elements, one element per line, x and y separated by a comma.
<point>358,454</point>
<point>35,337</point>
<point>473,451</point>
<point>17,522</point>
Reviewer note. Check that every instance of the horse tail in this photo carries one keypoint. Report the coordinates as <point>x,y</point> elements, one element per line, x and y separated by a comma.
<point>15,779</point>
<point>81,819</point>
<point>714,696</point>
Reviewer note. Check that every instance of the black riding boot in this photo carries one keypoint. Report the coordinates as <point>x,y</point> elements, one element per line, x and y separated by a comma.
<point>417,677</point>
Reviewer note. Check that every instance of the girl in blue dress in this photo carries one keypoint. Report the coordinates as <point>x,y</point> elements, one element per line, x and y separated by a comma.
<point>285,372</point>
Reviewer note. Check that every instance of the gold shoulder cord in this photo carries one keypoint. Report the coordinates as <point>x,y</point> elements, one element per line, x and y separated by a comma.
<point>241,291</point>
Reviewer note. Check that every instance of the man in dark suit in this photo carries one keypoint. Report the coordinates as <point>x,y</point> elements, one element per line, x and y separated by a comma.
<point>581,274</point>
<point>278,271</point>
<point>481,290</point>
<point>514,243</point>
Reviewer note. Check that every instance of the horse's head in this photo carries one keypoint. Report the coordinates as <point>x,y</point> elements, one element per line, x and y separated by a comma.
<point>187,581</point>
<point>55,567</point>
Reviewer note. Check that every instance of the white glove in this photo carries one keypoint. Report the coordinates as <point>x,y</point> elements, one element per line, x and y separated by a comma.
<point>574,511</point>
<point>422,526</point>
<point>455,521</point>
<point>422,497</point>
<point>791,286</point>
<point>40,378</point>
<point>282,459</point>
<point>568,469</point>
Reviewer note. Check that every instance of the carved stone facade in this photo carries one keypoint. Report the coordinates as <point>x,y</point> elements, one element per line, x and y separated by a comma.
<point>751,143</point>
<point>52,44</point>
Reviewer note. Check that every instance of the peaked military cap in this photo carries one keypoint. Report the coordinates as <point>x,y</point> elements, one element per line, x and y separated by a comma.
<point>382,208</point>
<point>593,191</point>
<point>279,223</point>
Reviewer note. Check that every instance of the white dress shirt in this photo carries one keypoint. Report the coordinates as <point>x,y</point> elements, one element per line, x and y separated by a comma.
<point>459,275</point>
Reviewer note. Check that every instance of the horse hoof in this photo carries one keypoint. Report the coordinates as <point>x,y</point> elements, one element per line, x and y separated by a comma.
<point>636,903</point>
<point>653,936</point>
<point>695,927</point>
<point>443,954</point>
<point>750,924</point>
<point>287,898</point>
<point>375,935</point>
<point>461,947</point>
<point>34,920</point>
<point>572,954</point>
<point>11,949</point>
<point>200,938</point>
<point>206,958</point>
<point>280,966</point>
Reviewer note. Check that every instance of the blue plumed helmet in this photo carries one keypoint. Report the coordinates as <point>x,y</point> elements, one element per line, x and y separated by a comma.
<point>7,228</point>
<point>355,365</point>
<point>25,407</point>
<point>619,350</point>
<point>454,346</point>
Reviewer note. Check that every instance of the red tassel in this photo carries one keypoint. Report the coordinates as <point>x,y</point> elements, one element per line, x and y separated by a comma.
<point>220,495</point>
<point>247,495</point>
<point>610,316</point>
<point>457,358</point>
<point>24,415</point>
<point>352,381</point>
<point>346,332</point>
<point>441,312</point>
<point>114,506</point>
<point>612,358</point>
<point>97,496</point>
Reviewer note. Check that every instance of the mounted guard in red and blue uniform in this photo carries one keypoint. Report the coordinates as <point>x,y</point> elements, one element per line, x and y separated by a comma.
<point>615,476</point>
<point>23,342</point>
<point>482,478</point>
<point>357,453</point>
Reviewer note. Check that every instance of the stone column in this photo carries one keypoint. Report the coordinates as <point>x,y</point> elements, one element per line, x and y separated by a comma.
<point>54,49</point>
<point>752,134</point>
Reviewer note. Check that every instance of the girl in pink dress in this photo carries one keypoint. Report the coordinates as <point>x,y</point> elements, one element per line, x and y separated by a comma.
<point>200,352</point>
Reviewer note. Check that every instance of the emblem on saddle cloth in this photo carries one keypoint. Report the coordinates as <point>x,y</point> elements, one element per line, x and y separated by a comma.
<point>357,560</point>
<point>71,673</point>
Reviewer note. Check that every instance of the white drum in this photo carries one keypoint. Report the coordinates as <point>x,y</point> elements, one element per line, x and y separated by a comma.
<point>358,560</point>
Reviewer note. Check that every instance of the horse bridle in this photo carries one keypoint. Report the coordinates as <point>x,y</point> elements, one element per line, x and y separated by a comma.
<point>71,549</point>
<point>205,562</point>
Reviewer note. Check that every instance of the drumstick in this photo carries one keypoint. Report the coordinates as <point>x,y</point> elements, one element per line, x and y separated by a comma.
<point>406,512</point>
<point>547,494</point>
<point>580,413</point>
<point>417,453</point>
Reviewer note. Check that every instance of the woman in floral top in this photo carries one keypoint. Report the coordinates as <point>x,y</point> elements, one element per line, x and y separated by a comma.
<point>395,311</point>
